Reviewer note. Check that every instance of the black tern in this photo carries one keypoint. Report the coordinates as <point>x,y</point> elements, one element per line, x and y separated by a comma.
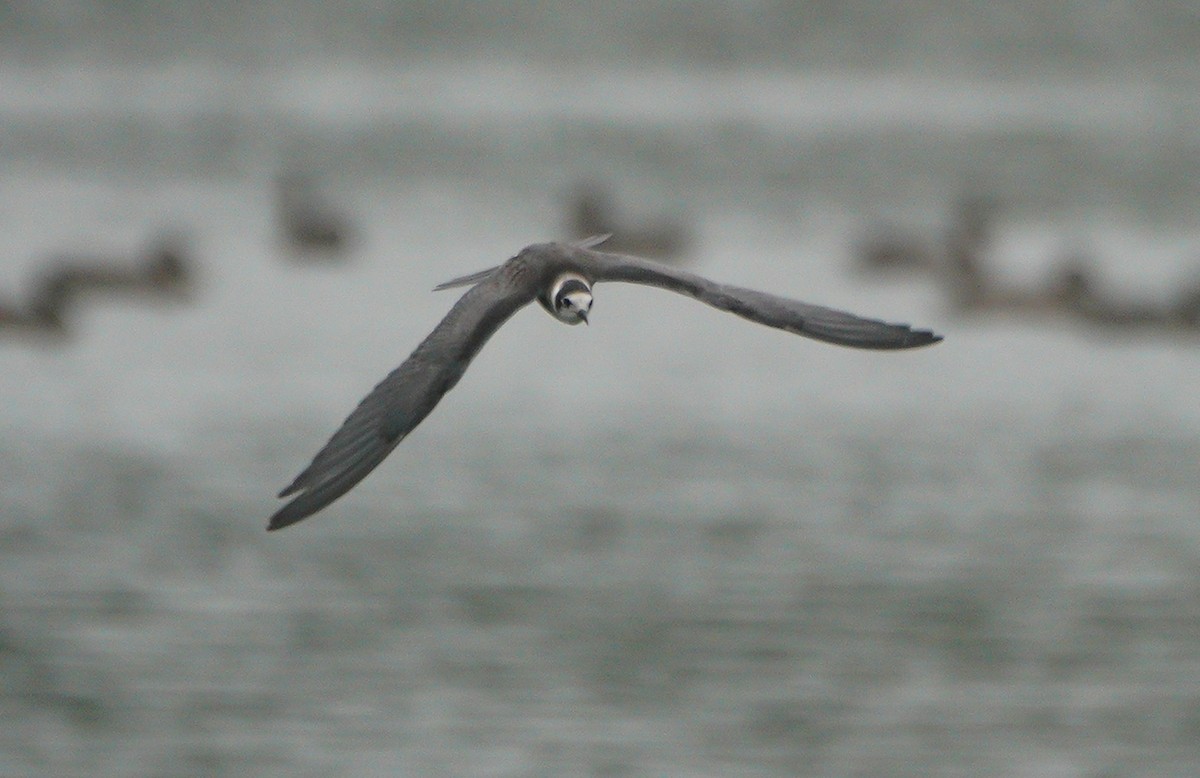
<point>560,277</point>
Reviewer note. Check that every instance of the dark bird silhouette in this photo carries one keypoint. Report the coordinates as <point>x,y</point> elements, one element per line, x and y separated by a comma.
<point>163,271</point>
<point>593,213</point>
<point>956,258</point>
<point>560,278</point>
<point>44,314</point>
<point>1084,297</point>
<point>310,226</point>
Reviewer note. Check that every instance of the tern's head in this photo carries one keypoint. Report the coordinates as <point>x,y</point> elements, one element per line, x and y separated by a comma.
<point>569,299</point>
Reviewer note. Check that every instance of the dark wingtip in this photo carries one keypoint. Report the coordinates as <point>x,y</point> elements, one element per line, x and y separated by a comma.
<point>918,338</point>
<point>284,518</point>
<point>291,513</point>
<point>927,337</point>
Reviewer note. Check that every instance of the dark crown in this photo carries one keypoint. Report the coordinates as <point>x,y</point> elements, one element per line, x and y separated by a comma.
<point>570,286</point>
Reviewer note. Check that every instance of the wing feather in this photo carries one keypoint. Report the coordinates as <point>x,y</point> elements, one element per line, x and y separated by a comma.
<point>403,399</point>
<point>467,280</point>
<point>813,321</point>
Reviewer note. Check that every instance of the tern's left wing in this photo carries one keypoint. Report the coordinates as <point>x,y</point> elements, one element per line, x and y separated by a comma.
<point>813,321</point>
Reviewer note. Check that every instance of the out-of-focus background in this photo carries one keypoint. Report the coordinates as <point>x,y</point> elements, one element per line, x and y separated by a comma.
<point>671,543</point>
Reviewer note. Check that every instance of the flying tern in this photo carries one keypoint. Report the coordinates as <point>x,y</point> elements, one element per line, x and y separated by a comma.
<point>560,276</point>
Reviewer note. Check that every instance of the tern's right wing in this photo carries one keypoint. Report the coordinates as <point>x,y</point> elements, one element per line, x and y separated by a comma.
<point>402,400</point>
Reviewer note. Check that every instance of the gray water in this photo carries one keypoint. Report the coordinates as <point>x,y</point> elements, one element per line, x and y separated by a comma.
<point>670,543</point>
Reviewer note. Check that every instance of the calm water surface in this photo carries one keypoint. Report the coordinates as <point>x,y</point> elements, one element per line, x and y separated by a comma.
<point>671,543</point>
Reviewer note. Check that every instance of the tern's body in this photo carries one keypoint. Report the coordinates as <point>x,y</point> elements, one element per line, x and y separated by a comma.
<point>560,277</point>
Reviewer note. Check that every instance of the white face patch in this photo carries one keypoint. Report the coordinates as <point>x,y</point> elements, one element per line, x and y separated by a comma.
<point>571,298</point>
<point>575,307</point>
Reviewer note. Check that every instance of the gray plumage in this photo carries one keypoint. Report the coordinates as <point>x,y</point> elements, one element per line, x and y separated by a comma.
<point>406,396</point>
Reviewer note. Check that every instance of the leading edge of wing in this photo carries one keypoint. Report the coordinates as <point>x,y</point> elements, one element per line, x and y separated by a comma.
<point>402,399</point>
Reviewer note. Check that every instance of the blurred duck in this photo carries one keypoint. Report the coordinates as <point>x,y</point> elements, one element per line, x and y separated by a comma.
<point>1073,292</point>
<point>309,225</point>
<point>956,256</point>
<point>887,249</point>
<point>163,271</point>
<point>967,242</point>
<point>592,213</point>
<point>960,265</point>
<point>1067,292</point>
<point>1096,307</point>
<point>45,314</point>
<point>971,287</point>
